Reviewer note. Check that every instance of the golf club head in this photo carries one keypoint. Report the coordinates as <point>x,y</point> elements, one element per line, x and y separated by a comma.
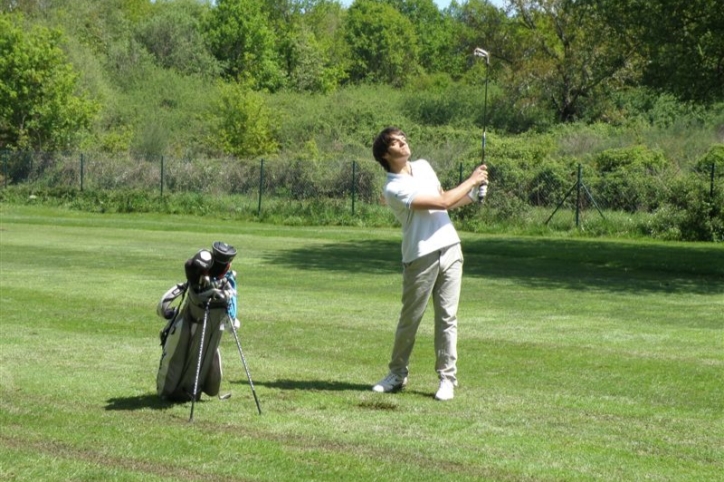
<point>478,52</point>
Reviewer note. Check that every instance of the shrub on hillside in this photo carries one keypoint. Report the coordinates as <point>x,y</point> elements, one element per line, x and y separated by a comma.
<point>456,105</point>
<point>631,179</point>
<point>691,212</point>
<point>550,183</point>
<point>715,158</point>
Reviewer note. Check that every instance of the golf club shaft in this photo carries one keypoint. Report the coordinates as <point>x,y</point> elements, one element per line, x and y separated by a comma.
<point>483,189</point>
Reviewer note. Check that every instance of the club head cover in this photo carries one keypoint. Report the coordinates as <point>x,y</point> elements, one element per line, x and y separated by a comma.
<point>198,266</point>
<point>223,255</point>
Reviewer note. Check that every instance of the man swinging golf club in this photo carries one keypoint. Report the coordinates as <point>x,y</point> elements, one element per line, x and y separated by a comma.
<point>431,256</point>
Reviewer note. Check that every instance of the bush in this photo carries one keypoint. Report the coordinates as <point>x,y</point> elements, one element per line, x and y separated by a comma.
<point>453,105</point>
<point>631,179</point>
<point>694,211</point>
<point>704,215</point>
<point>245,126</point>
<point>712,159</point>
<point>550,184</point>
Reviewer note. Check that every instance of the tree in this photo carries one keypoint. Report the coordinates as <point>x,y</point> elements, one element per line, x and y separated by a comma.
<point>173,35</point>
<point>310,69</point>
<point>324,48</point>
<point>482,24</point>
<point>383,44</point>
<point>39,106</point>
<point>306,34</point>
<point>435,34</point>
<point>241,38</point>
<point>568,54</point>
<point>682,40</point>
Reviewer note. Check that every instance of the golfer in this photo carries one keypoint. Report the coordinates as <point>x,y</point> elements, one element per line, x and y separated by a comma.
<point>431,256</point>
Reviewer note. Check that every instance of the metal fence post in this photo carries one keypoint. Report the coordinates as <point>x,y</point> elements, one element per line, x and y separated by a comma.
<point>261,187</point>
<point>82,170</point>
<point>578,197</point>
<point>161,176</point>
<point>354,183</point>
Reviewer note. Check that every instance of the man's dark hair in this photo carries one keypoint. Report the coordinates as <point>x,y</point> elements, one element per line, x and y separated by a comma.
<point>382,143</point>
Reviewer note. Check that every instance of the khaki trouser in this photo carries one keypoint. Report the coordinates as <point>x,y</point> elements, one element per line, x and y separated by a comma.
<point>439,275</point>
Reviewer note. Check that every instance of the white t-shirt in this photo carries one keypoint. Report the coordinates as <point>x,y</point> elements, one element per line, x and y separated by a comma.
<point>423,230</point>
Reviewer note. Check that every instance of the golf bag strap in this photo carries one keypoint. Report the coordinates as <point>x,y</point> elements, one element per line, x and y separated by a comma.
<point>164,309</point>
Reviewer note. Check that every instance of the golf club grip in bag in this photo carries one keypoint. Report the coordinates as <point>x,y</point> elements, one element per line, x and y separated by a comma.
<point>191,362</point>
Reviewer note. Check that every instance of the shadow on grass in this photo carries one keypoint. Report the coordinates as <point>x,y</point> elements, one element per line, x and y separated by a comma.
<point>138,402</point>
<point>612,266</point>
<point>319,385</point>
<point>340,386</point>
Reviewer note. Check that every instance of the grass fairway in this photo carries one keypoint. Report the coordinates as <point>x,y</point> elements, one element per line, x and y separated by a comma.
<point>579,360</point>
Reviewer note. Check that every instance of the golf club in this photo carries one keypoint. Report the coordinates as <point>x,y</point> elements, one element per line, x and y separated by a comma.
<point>478,52</point>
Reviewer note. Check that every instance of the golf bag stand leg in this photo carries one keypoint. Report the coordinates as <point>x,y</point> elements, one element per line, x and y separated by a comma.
<point>243,362</point>
<point>198,363</point>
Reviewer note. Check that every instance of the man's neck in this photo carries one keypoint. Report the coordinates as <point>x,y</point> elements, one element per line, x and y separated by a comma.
<point>403,167</point>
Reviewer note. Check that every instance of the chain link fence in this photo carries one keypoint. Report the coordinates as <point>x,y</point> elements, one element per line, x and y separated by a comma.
<point>551,186</point>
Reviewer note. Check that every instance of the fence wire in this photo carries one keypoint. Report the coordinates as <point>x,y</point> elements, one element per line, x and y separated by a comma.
<point>550,186</point>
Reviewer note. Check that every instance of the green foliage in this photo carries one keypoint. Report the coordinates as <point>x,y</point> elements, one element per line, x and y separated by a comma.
<point>703,218</point>
<point>158,113</point>
<point>631,179</point>
<point>683,43</point>
<point>240,37</point>
<point>584,140</point>
<point>341,123</point>
<point>120,49</point>
<point>454,104</point>
<point>244,125</point>
<point>473,24</point>
<point>306,38</point>
<point>151,67</point>
<point>550,183</point>
<point>40,107</point>
<point>435,34</point>
<point>98,26</point>
<point>691,216</point>
<point>382,42</point>
<point>631,159</point>
<point>317,51</point>
<point>17,166</point>
<point>712,161</point>
<point>173,34</point>
<point>695,211</point>
<point>310,71</point>
<point>569,52</point>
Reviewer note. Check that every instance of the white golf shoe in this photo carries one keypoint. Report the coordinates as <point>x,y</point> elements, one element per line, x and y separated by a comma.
<point>446,391</point>
<point>391,383</point>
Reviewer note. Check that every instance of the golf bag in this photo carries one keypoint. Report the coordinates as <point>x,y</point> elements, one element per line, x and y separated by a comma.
<point>191,361</point>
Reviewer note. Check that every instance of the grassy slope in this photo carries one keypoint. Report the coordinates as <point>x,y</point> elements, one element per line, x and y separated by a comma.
<point>579,359</point>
